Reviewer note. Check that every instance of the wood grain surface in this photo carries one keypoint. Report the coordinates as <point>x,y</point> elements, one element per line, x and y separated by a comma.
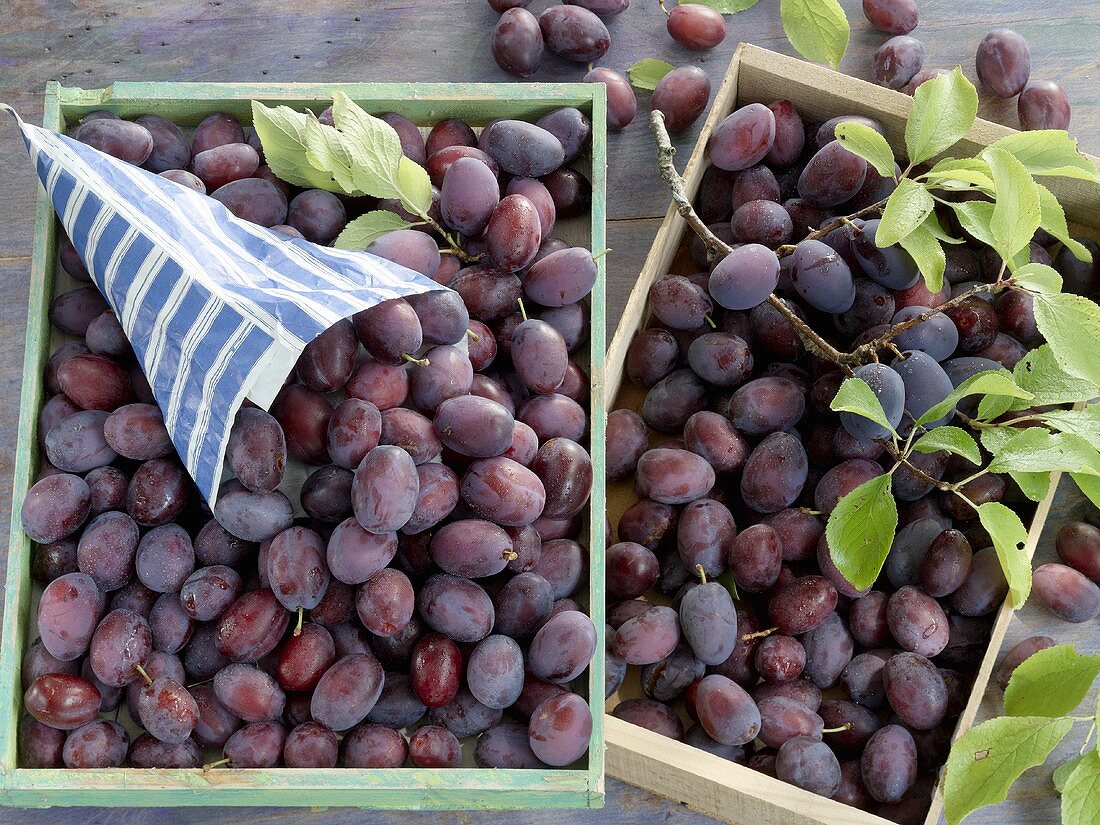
<point>91,43</point>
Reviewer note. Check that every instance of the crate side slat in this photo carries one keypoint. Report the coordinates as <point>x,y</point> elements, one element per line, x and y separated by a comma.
<point>18,583</point>
<point>596,443</point>
<point>714,786</point>
<point>477,103</point>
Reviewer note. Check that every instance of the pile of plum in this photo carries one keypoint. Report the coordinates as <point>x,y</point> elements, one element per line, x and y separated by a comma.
<point>737,460</point>
<point>424,593</point>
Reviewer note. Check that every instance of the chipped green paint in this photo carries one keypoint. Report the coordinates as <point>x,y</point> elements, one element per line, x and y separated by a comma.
<point>582,785</point>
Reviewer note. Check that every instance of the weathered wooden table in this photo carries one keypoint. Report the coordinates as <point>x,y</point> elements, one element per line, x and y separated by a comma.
<point>95,42</point>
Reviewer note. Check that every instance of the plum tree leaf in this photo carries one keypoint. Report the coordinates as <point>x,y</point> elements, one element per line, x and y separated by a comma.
<point>860,139</point>
<point>647,73</point>
<point>817,29</point>
<point>975,217</point>
<point>1038,278</point>
<point>944,109</point>
<point>953,439</point>
<point>326,150</point>
<point>925,250</point>
<point>960,173</point>
<point>414,185</point>
<point>860,530</point>
<point>1062,772</point>
<point>1053,220</point>
<point>1084,423</point>
<point>1049,152</point>
<point>1037,450</point>
<point>990,382</point>
<point>1040,374</point>
<point>1081,792</point>
<point>1089,485</point>
<point>1016,212</point>
<point>366,229</point>
<point>282,133</point>
<point>1051,682</point>
<point>989,757</point>
<point>373,145</point>
<point>856,396</point>
<point>1071,325</point>
<point>1009,536</point>
<point>905,211</point>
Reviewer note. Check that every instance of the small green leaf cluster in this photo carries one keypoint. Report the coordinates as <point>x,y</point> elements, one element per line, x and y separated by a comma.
<point>647,73</point>
<point>1042,693</point>
<point>1010,204</point>
<point>358,155</point>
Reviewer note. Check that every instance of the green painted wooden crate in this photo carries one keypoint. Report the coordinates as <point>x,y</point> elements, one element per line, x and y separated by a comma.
<point>579,786</point>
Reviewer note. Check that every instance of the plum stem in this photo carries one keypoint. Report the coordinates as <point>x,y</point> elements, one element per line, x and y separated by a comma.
<point>420,362</point>
<point>217,764</point>
<point>473,335</point>
<point>301,617</point>
<point>702,573</point>
<point>844,727</point>
<point>522,308</point>
<point>760,634</point>
<point>144,675</point>
<point>599,255</point>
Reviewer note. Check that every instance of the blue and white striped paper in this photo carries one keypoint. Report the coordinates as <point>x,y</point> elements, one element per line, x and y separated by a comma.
<point>217,309</point>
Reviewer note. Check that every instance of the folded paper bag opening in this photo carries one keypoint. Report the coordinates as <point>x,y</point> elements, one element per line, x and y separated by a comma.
<point>217,309</point>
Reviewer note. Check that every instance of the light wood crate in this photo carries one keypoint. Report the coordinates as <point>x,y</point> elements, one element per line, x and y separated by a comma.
<point>578,786</point>
<point>719,788</point>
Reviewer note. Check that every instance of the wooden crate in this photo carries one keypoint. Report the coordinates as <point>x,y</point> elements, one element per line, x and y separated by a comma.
<point>707,783</point>
<point>578,786</point>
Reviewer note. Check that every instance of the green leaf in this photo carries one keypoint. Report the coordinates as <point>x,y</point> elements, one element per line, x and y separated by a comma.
<point>953,439</point>
<point>1039,373</point>
<point>282,133</point>
<point>1051,682</point>
<point>415,186</point>
<point>1085,423</point>
<point>1062,772</point>
<point>1033,485</point>
<point>944,109</point>
<point>647,73</point>
<point>1038,278</point>
<point>1081,793</point>
<point>726,580</point>
<point>1037,450</point>
<point>932,224</point>
<point>326,151</point>
<point>724,6</point>
<point>990,382</point>
<point>994,406</point>
<point>1089,485</point>
<point>366,229</point>
<point>860,139</point>
<point>988,758</point>
<point>817,29</point>
<point>1016,211</point>
<point>926,252</point>
<point>1009,536</point>
<point>975,217</point>
<point>1071,325</point>
<point>860,530</point>
<point>856,396</point>
<point>956,173</point>
<point>373,146</point>
<point>906,210</point>
<point>1049,152</point>
<point>1054,222</point>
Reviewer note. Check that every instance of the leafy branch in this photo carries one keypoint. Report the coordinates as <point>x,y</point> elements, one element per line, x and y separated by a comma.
<point>358,155</point>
